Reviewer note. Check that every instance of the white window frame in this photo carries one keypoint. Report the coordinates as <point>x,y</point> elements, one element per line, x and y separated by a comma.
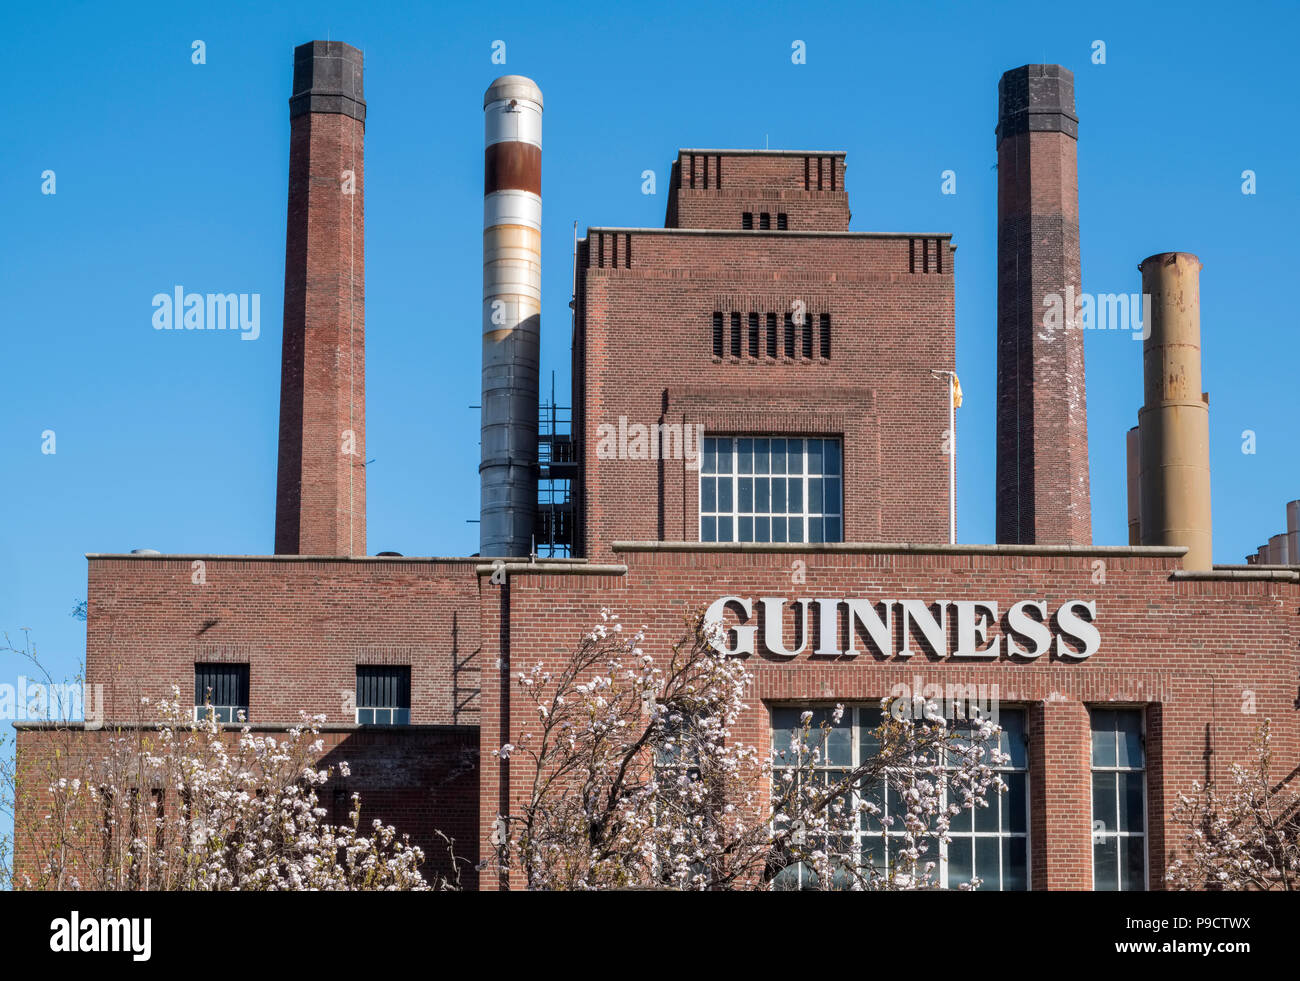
<point>224,714</point>
<point>855,713</point>
<point>1144,834</point>
<point>735,514</point>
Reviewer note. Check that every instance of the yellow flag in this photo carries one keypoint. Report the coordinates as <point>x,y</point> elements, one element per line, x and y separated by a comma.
<point>956,392</point>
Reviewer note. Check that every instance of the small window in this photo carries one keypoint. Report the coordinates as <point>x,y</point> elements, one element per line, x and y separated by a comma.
<point>735,335</point>
<point>826,335</point>
<point>765,221</point>
<point>782,222</point>
<point>753,335</point>
<point>224,687</point>
<point>747,220</point>
<point>717,335</point>
<point>383,695</point>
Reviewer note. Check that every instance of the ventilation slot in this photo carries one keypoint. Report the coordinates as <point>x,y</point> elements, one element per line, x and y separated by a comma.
<point>717,335</point>
<point>925,255</point>
<point>753,335</point>
<point>735,335</point>
<point>771,335</point>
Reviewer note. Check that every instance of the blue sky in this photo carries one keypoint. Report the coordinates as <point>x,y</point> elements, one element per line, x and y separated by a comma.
<point>174,173</point>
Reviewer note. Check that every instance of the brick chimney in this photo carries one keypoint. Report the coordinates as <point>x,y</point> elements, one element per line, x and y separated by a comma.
<point>1042,430</point>
<point>320,500</point>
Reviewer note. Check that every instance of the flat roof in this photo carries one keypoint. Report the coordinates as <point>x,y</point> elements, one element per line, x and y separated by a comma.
<point>789,233</point>
<point>906,548</point>
<point>465,559</point>
<point>765,153</point>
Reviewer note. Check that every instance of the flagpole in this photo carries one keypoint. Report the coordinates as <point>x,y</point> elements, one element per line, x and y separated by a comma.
<point>951,378</point>
<point>952,462</point>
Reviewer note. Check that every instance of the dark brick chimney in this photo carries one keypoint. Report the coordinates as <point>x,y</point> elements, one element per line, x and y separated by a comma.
<point>1042,430</point>
<point>320,501</point>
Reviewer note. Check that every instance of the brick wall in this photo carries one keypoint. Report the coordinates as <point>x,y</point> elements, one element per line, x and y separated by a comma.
<point>302,626</point>
<point>714,188</point>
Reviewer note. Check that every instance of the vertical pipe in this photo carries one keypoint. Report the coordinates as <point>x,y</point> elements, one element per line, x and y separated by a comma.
<point>1293,532</point>
<point>1277,550</point>
<point>1133,452</point>
<point>1174,421</point>
<point>512,290</point>
<point>952,463</point>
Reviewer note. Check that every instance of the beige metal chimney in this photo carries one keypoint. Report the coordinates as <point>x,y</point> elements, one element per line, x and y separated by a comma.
<point>1174,422</point>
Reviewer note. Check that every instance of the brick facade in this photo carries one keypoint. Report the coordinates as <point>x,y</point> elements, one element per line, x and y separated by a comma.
<point>1205,660</point>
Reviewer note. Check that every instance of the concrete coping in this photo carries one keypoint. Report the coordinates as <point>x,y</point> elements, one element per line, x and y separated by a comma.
<point>1261,566</point>
<point>789,233</point>
<point>79,725</point>
<point>396,559</point>
<point>765,153</point>
<point>1237,575</point>
<point>550,568</point>
<point>905,548</point>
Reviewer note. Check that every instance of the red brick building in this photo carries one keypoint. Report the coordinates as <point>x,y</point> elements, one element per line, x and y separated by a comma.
<point>761,413</point>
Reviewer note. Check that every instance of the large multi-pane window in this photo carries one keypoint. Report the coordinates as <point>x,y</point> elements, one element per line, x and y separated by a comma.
<point>1119,800</point>
<point>383,695</point>
<point>771,489</point>
<point>990,842</point>
<point>221,691</point>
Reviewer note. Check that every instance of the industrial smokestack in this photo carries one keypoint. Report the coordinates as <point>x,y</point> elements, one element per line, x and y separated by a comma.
<point>320,496</point>
<point>512,293</point>
<point>1043,495</point>
<point>1175,419</point>
<point>1133,452</point>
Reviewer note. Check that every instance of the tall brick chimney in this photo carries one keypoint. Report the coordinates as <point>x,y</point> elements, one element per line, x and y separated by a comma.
<point>320,499</point>
<point>1042,455</point>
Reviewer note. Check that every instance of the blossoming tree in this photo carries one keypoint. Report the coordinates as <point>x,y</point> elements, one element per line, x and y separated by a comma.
<point>637,777</point>
<point>1245,835</point>
<point>244,815</point>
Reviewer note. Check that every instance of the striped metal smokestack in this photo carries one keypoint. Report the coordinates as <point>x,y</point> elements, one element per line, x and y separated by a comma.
<point>512,294</point>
